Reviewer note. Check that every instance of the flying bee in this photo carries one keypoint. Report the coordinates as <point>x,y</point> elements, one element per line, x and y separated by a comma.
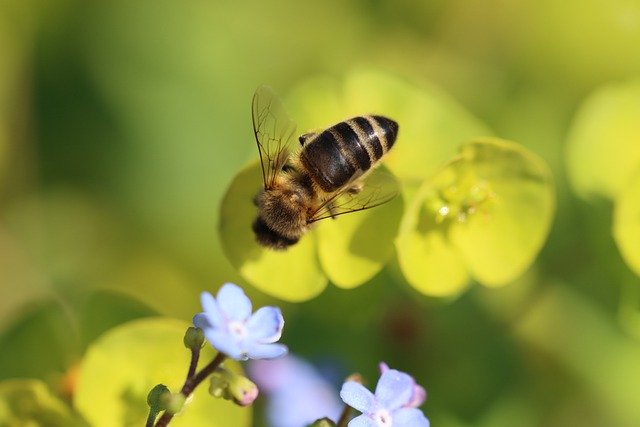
<point>329,175</point>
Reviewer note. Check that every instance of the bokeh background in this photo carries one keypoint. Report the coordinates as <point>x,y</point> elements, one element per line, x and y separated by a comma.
<point>122,124</point>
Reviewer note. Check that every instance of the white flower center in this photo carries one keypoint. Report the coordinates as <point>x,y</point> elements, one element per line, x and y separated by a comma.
<point>238,329</point>
<point>382,418</point>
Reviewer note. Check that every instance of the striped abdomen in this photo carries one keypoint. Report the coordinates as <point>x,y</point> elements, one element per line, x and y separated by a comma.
<point>347,150</point>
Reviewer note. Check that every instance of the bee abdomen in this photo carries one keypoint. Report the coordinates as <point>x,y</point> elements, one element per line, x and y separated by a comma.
<point>347,150</point>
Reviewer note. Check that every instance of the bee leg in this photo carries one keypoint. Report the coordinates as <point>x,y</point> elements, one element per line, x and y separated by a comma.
<point>331,210</point>
<point>305,137</point>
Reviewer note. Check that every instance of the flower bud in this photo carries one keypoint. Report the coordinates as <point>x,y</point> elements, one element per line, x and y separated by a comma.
<point>175,402</point>
<point>157,398</point>
<point>194,338</point>
<point>231,386</point>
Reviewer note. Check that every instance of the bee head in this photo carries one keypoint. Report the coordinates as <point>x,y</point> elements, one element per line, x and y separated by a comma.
<point>270,238</point>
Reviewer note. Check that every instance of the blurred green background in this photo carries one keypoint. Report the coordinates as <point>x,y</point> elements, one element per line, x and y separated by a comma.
<point>122,123</point>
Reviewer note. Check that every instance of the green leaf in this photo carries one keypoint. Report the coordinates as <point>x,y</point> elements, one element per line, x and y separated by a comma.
<point>487,212</point>
<point>292,275</point>
<point>58,330</point>
<point>30,402</point>
<point>578,336</point>
<point>48,335</point>
<point>427,259</point>
<point>626,222</point>
<point>355,247</point>
<point>602,147</point>
<point>123,365</point>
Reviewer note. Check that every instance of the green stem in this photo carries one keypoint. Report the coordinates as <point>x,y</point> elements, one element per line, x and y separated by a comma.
<point>191,383</point>
<point>195,356</point>
<point>151,418</point>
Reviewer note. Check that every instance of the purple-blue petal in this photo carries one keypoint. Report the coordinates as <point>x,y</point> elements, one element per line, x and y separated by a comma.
<point>210,307</point>
<point>224,343</point>
<point>409,417</point>
<point>357,396</point>
<point>265,326</point>
<point>201,320</point>
<point>362,421</point>
<point>266,351</point>
<point>233,303</point>
<point>394,389</point>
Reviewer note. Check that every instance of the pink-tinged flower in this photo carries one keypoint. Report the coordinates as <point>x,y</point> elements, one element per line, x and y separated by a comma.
<point>230,327</point>
<point>391,405</point>
<point>419,395</point>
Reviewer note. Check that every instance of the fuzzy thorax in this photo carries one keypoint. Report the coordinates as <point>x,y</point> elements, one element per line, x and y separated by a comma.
<point>284,210</point>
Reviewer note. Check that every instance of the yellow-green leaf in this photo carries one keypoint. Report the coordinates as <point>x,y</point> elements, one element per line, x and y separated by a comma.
<point>29,402</point>
<point>514,202</point>
<point>427,260</point>
<point>355,247</point>
<point>122,366</point>
<point>626,222</point>
<point>292,275</point>
<point>603,148</point>
<point>485,214</point>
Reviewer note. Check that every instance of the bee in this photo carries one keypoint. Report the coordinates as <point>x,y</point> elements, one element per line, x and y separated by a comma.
<point>328,176</point>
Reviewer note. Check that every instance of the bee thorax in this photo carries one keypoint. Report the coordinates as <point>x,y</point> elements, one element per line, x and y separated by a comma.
<point>284,211</point>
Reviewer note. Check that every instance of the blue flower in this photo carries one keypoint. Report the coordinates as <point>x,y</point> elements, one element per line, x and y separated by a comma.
<point>230,327</point>
<point>391,405</point>
<point>297,394</point>
<point>419,394</point>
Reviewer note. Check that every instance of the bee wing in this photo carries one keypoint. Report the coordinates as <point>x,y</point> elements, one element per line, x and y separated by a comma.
<point>273,129</point>
<point>377,187</point>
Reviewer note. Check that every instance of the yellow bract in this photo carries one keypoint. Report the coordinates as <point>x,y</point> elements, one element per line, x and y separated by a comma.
<point>603,158</point>
<point>626,223</point>
<point>292,275</point>
<point>485,215</point>
<point>122,366</point>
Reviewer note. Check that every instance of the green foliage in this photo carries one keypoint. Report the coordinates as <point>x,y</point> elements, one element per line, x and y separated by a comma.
<point>123,124</point>
<point>354,247</point>
<point>602,147</point>
<point>30,402</point>
<point>604,360</point>
<point>122,366</point>
<point>603,158</point>
<point>498,197</point>
<point>626,222</point>
<point>487,212</point>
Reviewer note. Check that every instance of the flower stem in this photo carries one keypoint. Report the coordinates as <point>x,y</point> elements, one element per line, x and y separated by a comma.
<point>344,417</point>
<point>151,418</point>
<point>191,383</point>
<point>195,356</point>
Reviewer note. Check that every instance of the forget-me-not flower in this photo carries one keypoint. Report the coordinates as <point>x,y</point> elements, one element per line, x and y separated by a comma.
<point>230,327</point>
<point>419,394</point>
<point>297,394</point>
<point>391,405</point>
